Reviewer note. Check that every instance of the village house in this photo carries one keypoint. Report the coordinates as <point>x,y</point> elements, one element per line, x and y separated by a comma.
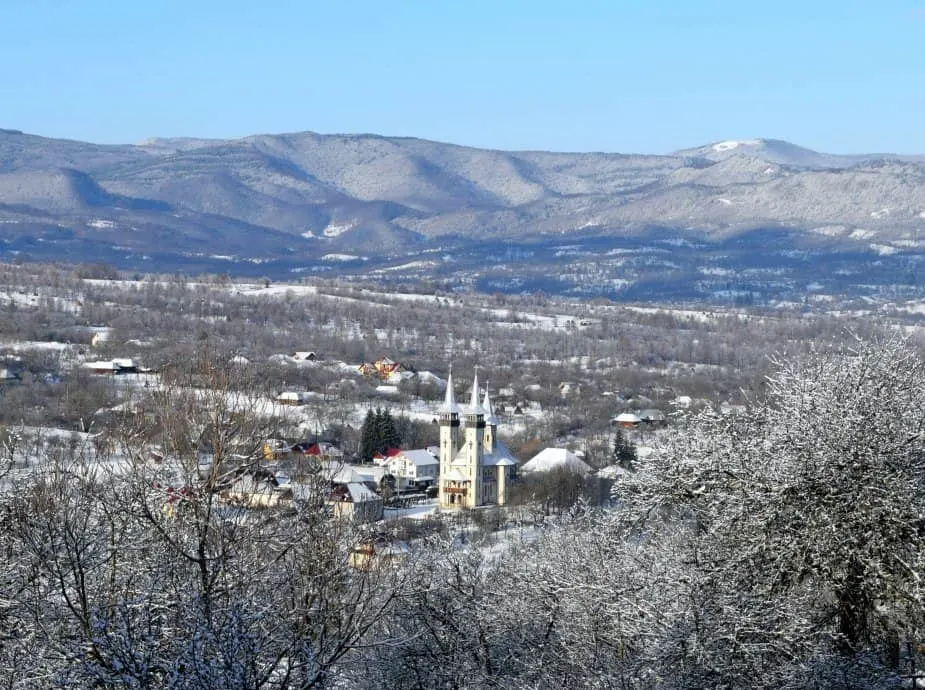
<point>292,398</point>
<point>8,375</point>
<point>412,469</point>
<point>385,370</point>
<point>321,450</point>
<point>626,420</point>
<point>255,490</point>
<point>276,450</point>
<point>122,365</point>
<point>652,417</point>
<point>379,552</point>
<point>101,335</point>
<point>476,467</point>
<point>355,501</point>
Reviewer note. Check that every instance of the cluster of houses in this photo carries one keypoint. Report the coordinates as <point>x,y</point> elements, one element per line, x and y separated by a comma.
<point>471,467</point>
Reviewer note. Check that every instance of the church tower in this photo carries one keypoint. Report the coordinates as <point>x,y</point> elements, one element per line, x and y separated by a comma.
<point>474,445</point>
<point>449,430</point>
<point>491,425</point>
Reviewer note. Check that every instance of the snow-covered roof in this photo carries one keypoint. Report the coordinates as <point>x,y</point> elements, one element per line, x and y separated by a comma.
<point>302,492</point>
<point>554,459</point>
<point>346,475</point>
<point>456,476</point>
<point>420,457</point>
<point>627,418</point>
<point>111,365</point>
<point>430,377</point>
<point>360,494</point>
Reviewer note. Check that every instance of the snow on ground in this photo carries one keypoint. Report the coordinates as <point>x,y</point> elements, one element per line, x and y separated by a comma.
<point>733,144</point>
<point>831,230</point>
<point>342,257</point>
<point>37,446</point>
<point>413,296</point>
<point>335,230</point>
<point>692,314</point>
<point>251,290</point>
<point>912,307</point>
<point>543,322</point>
<point>20,345</point>
<point>21,298</point>
<point>884,249</point>
<point>421,511</point>
<point>407,266</point>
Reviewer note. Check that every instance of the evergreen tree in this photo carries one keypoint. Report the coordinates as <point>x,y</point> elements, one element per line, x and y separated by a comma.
<point>368,437</point>
<point>624,451</point>
<point>378,434</point>
<point>390,436</point>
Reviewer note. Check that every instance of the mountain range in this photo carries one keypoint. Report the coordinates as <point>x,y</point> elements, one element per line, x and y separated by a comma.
<point>299,198</point>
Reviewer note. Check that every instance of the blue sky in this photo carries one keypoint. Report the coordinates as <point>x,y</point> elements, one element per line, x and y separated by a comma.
<point>583,75</point>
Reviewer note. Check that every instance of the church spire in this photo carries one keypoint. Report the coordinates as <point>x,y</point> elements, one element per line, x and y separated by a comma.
<point>490,417</point>
<point>474,407</point>
<point>449,403</point>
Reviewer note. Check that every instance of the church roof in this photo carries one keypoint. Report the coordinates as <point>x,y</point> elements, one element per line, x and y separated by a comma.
<point>449,403</point>
<point>500,456</point>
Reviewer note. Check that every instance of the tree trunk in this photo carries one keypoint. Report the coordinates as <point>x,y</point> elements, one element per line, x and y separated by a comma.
<point>854,604</point>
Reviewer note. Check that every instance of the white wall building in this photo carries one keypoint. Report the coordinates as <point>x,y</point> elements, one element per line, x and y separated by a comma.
<point>475,467</point>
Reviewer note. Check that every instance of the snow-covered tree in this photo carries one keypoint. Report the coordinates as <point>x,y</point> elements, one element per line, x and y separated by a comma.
<point>801,519</point>
<point>139,573</point>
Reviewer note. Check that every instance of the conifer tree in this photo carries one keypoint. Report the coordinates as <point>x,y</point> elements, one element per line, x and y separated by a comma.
<point>624,451</point>
<point>368,437</point>
<point>390,436</point>
<point>378,434</point>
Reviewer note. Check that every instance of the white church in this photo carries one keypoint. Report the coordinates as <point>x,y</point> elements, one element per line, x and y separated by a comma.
<point>475,467</point>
